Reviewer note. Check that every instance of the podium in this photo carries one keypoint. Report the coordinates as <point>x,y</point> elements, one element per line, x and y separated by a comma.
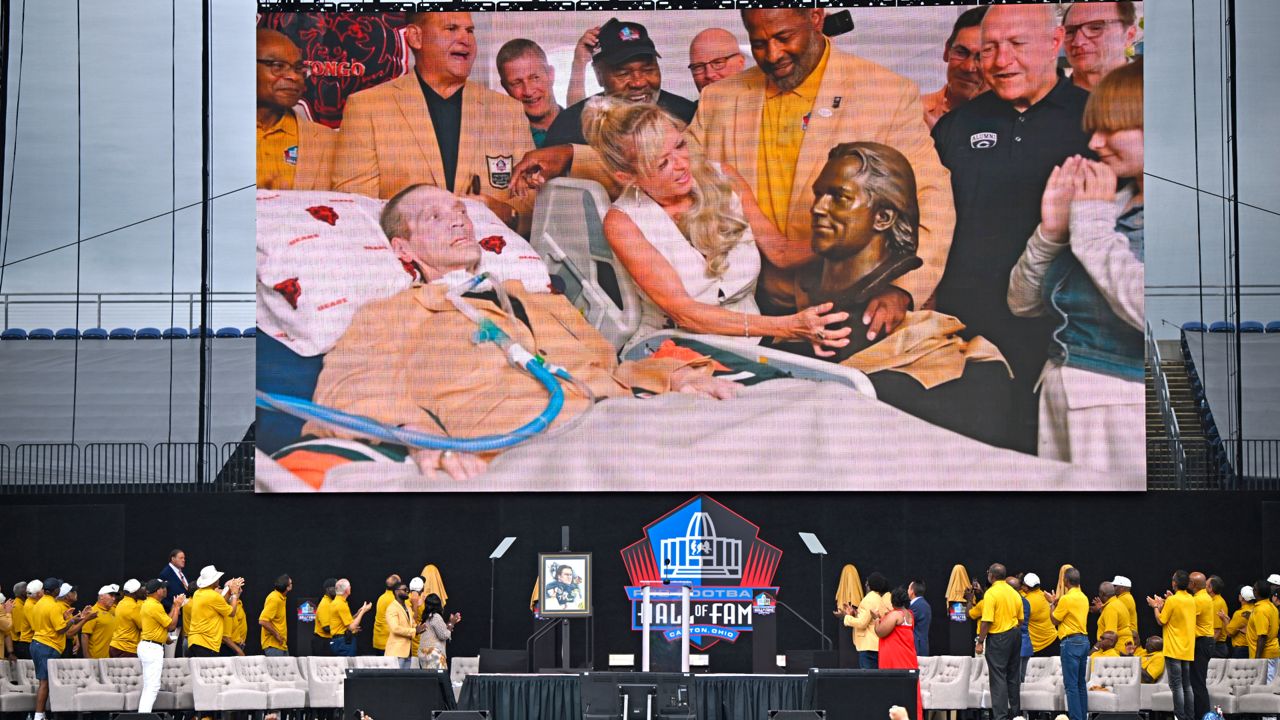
<point>664,590</point>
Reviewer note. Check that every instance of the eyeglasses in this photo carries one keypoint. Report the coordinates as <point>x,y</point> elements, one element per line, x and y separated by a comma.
<point>280,68</point>
<point>716,64</point>
<point>1090,30</point>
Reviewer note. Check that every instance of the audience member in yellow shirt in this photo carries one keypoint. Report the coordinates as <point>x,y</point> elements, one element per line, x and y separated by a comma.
<point>95,636</point>
<point>1071,615</point>
<point>1177,614</point>
<point>1123,588</point>
<point>274,619</point>
<point>416,604</point>
<point>1039,625</point>
<point>1152,660</point>
<point>380,614</point>
<point>342,625</point>
<point>124,640</point>
<point>322,633</point>
<point>1221,647</point>
<point>6,628</point>
<point>19,621</point>
<point>35,591</point>
<point>156,625</point>
<point>54,620</point>
<point>1203,643</point>
<point>208,612</point>
<point>1000,642</point>
<point>235,631</point>
<point>1264,624</point>
<point>1113,616</point>
<point>1239,623</point>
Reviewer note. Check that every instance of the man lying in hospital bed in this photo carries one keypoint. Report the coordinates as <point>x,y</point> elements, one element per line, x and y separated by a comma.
<point>412,362</point>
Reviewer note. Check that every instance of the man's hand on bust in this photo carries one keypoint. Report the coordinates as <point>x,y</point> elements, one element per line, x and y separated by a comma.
<point>886,311</point>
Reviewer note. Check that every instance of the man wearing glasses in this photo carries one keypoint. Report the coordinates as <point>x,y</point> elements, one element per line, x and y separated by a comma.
<point>293,152</point>
<point>714,55</point>
<point>1098,37</point>
<point>964,71</point>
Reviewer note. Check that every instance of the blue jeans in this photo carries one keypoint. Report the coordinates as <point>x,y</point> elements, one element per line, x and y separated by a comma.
<point>343,646</point>
<point>868,659</point>
<point>1180,683</point>
<point>41,654</point>
<point>275,652</point>
<point>1074,651</point>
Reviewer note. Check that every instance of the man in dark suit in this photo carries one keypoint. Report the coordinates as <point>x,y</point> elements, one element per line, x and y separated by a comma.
<point>923,616</point>
<point>173,577</point>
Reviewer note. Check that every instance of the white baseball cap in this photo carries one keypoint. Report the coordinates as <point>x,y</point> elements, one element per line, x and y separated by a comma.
<point>1246,592</point>
<point>208,576</point>
<point>1122,581</point>
<point>416,584</point>
<point>35,586</point>
<point>108,589</point>
<point>2,597</point>
<point>65,590</point>
<point>1031,580</point>
<point>1274,579</point>
<point>131,586</point>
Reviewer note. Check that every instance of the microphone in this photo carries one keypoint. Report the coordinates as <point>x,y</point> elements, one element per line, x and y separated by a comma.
<point>666,569</point>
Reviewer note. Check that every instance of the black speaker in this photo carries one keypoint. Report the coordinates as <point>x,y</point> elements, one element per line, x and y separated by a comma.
<point>1116,716</point>
<point>389,694</point>
<point>139,716</point>
<point>797,714</point>
<point>503,661</point>
<point>460,715</point>
<point>799,661</point>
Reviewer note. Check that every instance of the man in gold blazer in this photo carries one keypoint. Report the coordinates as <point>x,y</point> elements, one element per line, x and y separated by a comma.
<point>294,153</point>
<point>776,122</point>
<point>401,629</point>
<point>435,126</point>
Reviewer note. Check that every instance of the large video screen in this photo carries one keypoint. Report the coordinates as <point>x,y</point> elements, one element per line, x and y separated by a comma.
<point>768,249</point>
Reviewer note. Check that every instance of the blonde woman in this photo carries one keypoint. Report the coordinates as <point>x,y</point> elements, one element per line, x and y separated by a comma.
<point>690,234</point>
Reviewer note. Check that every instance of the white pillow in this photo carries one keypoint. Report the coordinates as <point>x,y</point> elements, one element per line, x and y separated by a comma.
<point>321,255</point>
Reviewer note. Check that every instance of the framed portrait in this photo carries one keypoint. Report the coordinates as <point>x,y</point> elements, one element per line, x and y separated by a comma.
<point>564,584</point>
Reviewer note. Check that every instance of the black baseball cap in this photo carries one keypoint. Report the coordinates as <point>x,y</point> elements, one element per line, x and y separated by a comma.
<point>620,41</point>
<point>153,585</point>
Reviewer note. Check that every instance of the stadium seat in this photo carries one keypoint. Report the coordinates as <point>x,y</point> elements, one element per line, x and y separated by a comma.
<point>194,333</point>
<point>67,334</point>
<point>1273,326</point>
<point>1251,326</point>
<point>234,332</point>
<point>14,334</point>
<point>40,334</point>
<point>122,333</point>
<point>96,333</point>
<point>1193,326</point>
<point>175,333</point>
<point>1222,326</point>
<point>249,332</point>
<point>149,333</point>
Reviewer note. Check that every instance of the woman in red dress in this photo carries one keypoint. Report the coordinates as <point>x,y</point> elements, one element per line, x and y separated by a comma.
<point>896,630</point>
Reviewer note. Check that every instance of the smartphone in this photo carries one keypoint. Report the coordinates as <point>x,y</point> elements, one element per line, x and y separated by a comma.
<point>837,24</point>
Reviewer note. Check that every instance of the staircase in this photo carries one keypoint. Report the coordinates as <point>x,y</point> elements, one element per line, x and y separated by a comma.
<point>1161,474</point>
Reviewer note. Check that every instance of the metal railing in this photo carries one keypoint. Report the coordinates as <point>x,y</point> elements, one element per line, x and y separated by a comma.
<point>1173,435</point>
<point>1261,467</point>
<point>126,467</point>
<point>128,309</point>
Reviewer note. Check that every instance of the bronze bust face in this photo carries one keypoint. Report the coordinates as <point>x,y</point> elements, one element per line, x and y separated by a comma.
<point>865,221</point>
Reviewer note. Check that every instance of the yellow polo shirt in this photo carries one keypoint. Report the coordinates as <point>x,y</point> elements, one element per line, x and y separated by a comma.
<point>128,626</point>
<point>782,126</point>
<point>50,630</point>
<point>274,613</point>
<point>100,631</point>
<point>155,621</point>
<point>1002,607</point>
<point>236,626</point>
<point>380,630</point>
<point>1204,614</point>
<point>208,608</point>
<point>1263,621</point>
<point>35,616</point>
<point>19,619</point>
<point>1114,617</point>
<point>278,153</point>
<point>322,618</point>
<point>416,614</point>
<point>1153,664</point>
<point>1219,606</point>
<point>1239,623</point>
<point>1178,616</point>
<point>1129,604</point>
<point>1039,625</point>
<point>339,616</point>
<point>1072,613</point>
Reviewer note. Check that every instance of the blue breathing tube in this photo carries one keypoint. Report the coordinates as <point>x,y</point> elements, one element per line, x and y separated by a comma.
<point>370,428</point>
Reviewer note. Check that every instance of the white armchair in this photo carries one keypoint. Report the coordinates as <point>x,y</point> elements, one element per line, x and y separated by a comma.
<point>1122,679</point>
<point>1147,691</point>
<point>176,686</point>
<point>252,670</point>
<point>326,677</point>
<point>979,684</point>
<point>459,669</point>
<point>74,686</point>
<point>17,694</point>
<point>1237,677</point>
<point>287,672</point>
<point>376,662</point>
<point>216,686</point>
<point>1261,699</point>
<point>1042,689</point>
<point>126,675</point>
<point>948,687</point>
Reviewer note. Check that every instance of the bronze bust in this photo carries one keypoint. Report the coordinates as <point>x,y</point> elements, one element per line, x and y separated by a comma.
<point>866,226</point>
